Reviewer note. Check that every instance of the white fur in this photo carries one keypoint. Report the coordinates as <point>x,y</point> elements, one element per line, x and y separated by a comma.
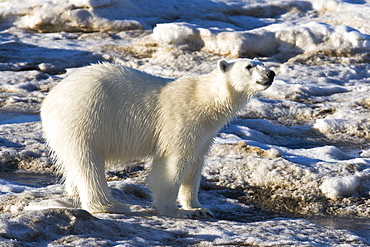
<point>106,112</point>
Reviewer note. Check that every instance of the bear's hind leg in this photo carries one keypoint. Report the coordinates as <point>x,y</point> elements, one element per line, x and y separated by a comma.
<point>69,185</point>
<point>88,176</point>
<point>66,175</point>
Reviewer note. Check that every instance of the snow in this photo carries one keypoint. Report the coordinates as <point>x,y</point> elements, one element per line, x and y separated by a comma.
<point>299,149</point>
<point>266,41</point>
<point>340,186</point>
<point>53,223</point>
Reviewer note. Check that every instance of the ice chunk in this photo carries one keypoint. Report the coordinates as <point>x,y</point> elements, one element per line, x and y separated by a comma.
<point>91,3</point>
<point>266,41</point>
<point>176,33</point>
<point>22,56</point>
<point>330,126</point>
<point>7,187</point>
<point>334,187</point>
<point>72,15</point>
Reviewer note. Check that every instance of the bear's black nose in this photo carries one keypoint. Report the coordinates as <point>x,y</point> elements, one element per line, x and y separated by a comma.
<point>267,81</point>
<point>271,74</point>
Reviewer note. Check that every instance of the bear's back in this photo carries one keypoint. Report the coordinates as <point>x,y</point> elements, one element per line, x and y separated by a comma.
<point>115,77</point>
<point>104,102</point>
<point>103,83</point>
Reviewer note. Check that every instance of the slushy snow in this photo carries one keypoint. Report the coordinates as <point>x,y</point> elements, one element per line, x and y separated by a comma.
<point>299,149</point>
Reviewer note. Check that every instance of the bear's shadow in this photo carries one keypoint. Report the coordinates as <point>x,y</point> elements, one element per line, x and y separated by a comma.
<point>225,203</point>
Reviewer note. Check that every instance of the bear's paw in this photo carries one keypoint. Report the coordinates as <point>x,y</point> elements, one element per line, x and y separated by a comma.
<point>114,208</point>
<point>196,213</point>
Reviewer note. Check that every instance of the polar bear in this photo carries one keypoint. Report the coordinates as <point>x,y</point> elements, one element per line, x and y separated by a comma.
<point>110,113</point>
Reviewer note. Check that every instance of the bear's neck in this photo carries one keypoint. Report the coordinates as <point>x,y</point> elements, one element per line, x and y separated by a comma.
<point>219,97</point>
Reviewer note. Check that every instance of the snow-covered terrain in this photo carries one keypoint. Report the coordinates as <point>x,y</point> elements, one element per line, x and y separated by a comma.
<point>297,151</point>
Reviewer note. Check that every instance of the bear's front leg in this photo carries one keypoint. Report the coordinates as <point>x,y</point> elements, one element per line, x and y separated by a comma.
<point>164,181</point>
<point>188,194</point>
<point>166,177</point>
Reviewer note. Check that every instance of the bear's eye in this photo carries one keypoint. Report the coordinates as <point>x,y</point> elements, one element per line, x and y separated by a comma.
<point>248,67</point>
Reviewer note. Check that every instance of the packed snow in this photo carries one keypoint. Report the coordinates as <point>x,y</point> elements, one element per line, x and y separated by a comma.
<point>297,152</point>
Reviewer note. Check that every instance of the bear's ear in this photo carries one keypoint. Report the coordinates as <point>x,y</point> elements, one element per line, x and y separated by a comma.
<point>222,65</point>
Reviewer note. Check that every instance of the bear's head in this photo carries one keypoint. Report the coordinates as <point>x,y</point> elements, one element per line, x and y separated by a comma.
<point>246,75</point>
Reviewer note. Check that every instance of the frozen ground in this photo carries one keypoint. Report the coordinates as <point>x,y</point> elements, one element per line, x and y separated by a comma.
<point>298,153</point>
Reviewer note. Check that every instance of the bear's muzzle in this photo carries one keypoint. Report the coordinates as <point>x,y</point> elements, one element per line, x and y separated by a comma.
<point>268,80</point>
